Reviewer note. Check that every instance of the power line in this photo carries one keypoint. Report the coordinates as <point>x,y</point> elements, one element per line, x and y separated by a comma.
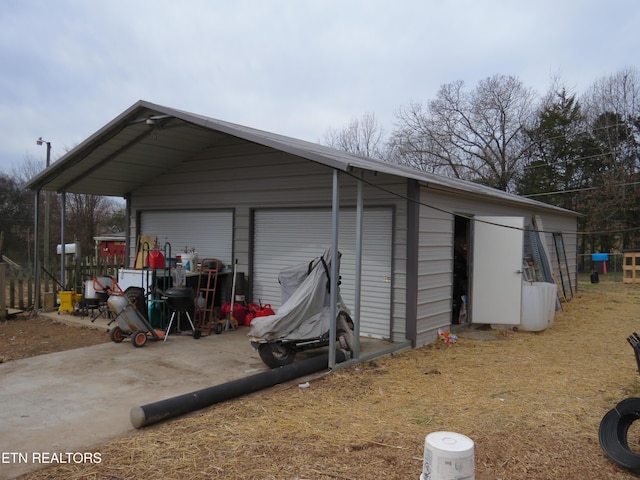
<point>585,130</point>
<point>566,162</point>
<point>574,190</point>
<point>468,217</point>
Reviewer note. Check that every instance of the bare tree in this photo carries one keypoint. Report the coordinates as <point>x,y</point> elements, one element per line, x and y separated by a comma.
<point>28,169</point>
<point>618,93</point>
<point>363,136</point>
<point>85,213</point>
<point>477,135</point>
<point>613,109</point>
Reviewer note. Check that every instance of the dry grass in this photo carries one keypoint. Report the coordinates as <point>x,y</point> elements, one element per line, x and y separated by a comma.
<point>532,403</point>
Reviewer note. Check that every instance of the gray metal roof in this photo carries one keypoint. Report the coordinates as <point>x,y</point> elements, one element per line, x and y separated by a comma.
<point>148,138</point>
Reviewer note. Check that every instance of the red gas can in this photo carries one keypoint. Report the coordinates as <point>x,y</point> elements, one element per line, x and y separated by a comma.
<point>155,259</point>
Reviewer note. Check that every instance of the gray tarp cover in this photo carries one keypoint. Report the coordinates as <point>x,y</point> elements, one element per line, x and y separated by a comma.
<point>305,310</point>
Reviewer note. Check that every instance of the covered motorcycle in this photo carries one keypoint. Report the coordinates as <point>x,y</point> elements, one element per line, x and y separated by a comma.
<point>304,319</point>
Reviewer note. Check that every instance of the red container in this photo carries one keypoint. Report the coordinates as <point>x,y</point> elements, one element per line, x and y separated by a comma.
<point>265,311</point>
<point>239,313</point>
<point>155,259</point>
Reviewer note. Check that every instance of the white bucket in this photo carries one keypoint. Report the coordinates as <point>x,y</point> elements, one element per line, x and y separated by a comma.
<point>189,262</point>
<point>448,456</point>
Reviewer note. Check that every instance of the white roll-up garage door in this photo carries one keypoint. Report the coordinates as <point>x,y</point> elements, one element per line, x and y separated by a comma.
<point>209,232</point>
<point>288,237</point>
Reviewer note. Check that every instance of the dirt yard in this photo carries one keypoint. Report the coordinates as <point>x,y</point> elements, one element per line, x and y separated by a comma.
<point>531,402</point>
<point>24,336</point>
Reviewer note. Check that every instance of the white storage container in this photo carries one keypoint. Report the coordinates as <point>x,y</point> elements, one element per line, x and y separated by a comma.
<point>131,278</point>
<point>538,306</point>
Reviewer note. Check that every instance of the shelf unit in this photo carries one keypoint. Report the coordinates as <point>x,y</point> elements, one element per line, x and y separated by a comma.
<point>156,280</point>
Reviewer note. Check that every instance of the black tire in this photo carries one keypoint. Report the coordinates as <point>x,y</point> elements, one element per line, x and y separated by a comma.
<point>276,355</point>
<point>116,335</point>
<point>613,431</point>
<point>197,334</point>
<point>139,339</point>
<point>218,328</point>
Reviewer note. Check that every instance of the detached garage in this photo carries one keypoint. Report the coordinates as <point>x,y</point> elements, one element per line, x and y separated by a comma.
<point>267,202</point>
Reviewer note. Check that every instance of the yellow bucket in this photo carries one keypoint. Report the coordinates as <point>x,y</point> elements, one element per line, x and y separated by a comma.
<point>67,302</point>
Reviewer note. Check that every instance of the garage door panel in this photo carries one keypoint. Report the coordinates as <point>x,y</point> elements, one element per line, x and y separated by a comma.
<point>209,232</point>
<point>288,237</point>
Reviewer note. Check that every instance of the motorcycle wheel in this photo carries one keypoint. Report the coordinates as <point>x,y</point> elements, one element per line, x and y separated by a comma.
<point>276,355</point>
<point>344,331</point>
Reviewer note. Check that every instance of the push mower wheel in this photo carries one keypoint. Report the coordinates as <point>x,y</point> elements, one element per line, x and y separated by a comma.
<point>197,334</point>
<point>116,335</point>
<point>139,339</point>
<point>218,328</point>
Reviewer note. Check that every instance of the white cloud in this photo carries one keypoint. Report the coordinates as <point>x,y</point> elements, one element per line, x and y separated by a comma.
<point>292,67</point>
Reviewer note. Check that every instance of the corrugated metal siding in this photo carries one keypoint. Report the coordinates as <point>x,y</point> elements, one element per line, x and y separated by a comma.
<point>283,238</point>
<point>436,249</point>
<point>210,232</point>
<point>249,176</point>
<point>435,258</point>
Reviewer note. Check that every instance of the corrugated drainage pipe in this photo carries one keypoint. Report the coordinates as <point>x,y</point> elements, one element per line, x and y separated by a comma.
<point>190,402</point>
<point>613,431</point>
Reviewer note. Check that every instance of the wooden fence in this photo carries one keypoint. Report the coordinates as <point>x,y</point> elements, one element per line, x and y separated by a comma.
<point>19,281</point>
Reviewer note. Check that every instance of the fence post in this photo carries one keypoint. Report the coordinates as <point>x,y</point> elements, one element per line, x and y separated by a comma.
<point>3,290</point>
<point>12,292</point>
<point>21,303</point>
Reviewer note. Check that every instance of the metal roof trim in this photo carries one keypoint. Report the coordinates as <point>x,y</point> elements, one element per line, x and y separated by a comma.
<point>89,144</point>
<point>311,151</point>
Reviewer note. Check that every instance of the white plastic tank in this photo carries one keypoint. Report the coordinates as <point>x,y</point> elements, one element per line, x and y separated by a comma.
<point>538,306</point>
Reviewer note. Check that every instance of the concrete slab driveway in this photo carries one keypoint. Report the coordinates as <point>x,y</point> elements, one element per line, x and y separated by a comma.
<point>69,402</point>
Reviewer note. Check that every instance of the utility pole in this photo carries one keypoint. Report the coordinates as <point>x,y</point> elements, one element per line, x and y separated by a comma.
<point>47,208</point>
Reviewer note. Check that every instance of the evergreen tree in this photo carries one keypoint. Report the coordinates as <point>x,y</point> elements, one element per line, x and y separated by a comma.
<point>555,161</point>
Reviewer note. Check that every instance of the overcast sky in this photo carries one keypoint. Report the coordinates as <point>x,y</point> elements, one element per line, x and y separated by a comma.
<point>294,67</point>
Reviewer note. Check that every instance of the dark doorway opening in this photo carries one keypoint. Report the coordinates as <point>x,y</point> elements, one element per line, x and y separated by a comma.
<point>461,262</point>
